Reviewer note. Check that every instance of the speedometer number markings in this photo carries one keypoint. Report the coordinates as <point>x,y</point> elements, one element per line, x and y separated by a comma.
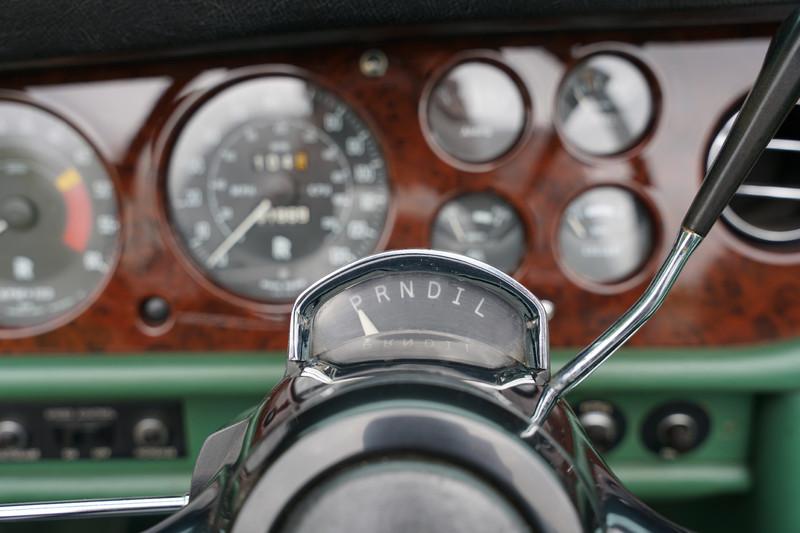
<point>301,150</point>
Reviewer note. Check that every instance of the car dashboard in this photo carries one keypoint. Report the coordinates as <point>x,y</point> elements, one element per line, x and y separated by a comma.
<point>160,212</point>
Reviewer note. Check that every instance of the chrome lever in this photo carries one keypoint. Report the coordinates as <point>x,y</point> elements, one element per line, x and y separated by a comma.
<point>92,508</point>
<point>618,333</point>
<point>774,94</point>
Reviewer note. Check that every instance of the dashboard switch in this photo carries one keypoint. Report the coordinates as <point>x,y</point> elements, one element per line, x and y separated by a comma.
<point>150,431</point>
<point>603,423</point>
<point>675,428</point>
<point>678,432</point>
<point>13,435</point>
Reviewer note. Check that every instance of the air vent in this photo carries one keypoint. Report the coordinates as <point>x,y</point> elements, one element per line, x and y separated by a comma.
<point>766,207</point>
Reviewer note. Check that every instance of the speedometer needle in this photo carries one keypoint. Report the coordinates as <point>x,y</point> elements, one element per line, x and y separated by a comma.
<point>236,235</point>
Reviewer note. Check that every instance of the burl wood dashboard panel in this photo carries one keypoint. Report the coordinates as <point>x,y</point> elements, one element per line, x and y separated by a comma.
<point>732,292</point>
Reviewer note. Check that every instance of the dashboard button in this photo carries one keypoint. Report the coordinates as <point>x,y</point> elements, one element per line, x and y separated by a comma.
<point>13,435</point>
<point>150,432</point>
<point>154,310</point>
<point>603,422</point>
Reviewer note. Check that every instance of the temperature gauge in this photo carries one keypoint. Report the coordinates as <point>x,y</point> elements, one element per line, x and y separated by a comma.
<point>482,226</point>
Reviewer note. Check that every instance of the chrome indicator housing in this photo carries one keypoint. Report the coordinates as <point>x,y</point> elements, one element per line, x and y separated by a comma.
<point>395,304</point>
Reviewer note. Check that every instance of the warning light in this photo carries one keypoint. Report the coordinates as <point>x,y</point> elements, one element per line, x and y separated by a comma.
<point>301,160</point>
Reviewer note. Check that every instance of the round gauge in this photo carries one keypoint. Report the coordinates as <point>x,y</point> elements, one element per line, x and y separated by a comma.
<point>476,112</point>
<point>272,184</point>
<point>605,105</point>
<point>482,226</point>
<point>58,218</point>
<point>605,234</point>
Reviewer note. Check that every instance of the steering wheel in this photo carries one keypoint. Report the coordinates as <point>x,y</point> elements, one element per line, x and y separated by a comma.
<point>418,392</point>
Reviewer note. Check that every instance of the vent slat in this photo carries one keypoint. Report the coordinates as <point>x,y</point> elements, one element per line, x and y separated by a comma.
<point>788,145</point>
<point>769,191</point>
<point>766,208</point>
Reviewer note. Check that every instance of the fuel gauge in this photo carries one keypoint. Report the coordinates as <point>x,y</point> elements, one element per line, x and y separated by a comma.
<point>482,226</point>
<point>605,234</point>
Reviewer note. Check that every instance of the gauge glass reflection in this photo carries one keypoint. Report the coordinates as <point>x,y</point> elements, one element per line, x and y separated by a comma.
<point>476,112</point>
<point>482,226</point>
<point>605,235</point>
<point>273,183</point>
<point>58,218</point>
<point>419,315</point>
<point>605,105</point>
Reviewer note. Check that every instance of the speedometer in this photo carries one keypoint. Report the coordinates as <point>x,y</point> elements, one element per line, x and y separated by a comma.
<point>273,183</point>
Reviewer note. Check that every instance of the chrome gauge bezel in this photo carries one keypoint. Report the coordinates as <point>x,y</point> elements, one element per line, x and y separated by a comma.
<point>499,62</point>
<point>490,278</point>
<point>649,262</point>
<point>632,56</point>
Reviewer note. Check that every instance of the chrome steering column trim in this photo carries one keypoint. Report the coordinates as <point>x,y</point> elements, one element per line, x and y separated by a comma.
<point>591,357</point>
<point>92,508</point>
<point>436,261</point>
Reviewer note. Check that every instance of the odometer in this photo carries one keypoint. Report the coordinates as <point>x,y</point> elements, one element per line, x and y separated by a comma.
<point>272,184</point>
<point>58,218</point>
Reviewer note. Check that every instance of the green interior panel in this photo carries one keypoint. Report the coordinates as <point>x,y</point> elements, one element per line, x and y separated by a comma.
<point>213,390</point>
<point>718,465</point>
<point>743,390</point>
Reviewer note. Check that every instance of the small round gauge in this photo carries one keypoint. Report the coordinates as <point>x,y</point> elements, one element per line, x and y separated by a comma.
<point>605,234</point>
<point>482,226</point>
<point>605,105</point>
<point>476,112</point>
<point>273,183</point>
<point>58,218</point>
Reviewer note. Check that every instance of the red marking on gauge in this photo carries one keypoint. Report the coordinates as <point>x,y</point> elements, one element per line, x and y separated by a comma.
<point>78,227</point>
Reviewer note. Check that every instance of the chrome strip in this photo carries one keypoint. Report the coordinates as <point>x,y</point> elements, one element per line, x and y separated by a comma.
<point>783,145</point>
<point>769,191</point>
<point>525,380</point>
<point>404,260</point>
<point>591,357</point>
<point>92,508</point>
<point>754,190</point>
<point>787,145</point>
<point>756,232</point>
<point>315,373</point>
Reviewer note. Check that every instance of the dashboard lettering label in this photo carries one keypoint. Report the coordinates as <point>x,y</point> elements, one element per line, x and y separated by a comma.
<point>434,290</point>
